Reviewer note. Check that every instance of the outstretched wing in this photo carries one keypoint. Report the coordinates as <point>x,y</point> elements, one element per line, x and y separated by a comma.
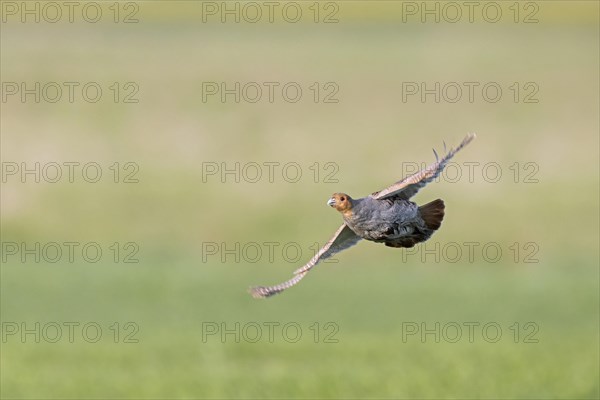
<point>343,238</point>
<point>408,187</point>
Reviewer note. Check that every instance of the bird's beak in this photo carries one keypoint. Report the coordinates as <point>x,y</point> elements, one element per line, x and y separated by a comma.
<point>331,202</point>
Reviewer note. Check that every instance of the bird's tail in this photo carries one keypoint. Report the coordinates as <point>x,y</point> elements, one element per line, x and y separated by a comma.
<point>433,214</point>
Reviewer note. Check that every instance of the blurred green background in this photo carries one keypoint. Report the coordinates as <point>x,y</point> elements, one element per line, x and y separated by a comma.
<point>174,216</point>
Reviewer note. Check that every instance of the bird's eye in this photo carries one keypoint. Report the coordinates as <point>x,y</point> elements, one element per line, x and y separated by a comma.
<point>342,198</point>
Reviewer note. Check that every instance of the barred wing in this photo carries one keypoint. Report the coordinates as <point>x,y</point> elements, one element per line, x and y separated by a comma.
<point>408,187</point>
<point>343,238</point>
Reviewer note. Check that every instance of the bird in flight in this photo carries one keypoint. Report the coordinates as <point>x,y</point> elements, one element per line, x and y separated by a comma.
<point>387,216</point>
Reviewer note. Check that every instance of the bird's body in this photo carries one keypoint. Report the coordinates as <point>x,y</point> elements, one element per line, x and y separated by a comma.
<point>397,223</point>
<point>387,216</point>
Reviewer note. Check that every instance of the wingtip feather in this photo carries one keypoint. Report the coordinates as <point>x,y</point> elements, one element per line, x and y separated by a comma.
<point>470,136</point>
<point>261,292</point>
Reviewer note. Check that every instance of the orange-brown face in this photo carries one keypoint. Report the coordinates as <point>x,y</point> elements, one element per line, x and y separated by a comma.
<point>341,202</point>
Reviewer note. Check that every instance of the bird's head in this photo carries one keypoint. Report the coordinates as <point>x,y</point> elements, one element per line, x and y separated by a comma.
<point>341,202</point>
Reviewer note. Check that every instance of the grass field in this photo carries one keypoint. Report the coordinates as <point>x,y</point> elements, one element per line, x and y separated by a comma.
<point>438,321</point>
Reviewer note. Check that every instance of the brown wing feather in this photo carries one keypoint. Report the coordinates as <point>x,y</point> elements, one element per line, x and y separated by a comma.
<point>259,292</point>
<point>343,238</point>
<point>408,187</point>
